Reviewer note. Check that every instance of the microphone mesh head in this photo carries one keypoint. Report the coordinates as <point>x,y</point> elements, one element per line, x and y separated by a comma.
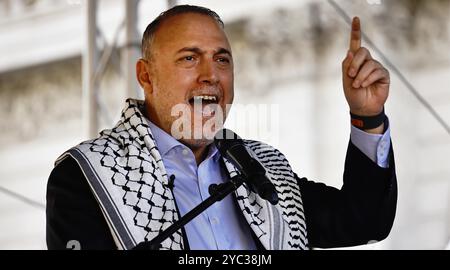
<point>226,138</point>
<point>226,134</point>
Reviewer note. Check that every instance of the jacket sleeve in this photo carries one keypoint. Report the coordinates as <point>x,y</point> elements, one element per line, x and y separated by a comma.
<point>73,214</point>
<point>362,211</point>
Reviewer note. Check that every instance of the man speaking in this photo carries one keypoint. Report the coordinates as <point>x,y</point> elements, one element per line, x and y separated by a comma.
<point>139,177</point>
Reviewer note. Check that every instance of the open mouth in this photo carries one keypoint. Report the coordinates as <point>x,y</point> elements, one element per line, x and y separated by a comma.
<point>207,99</point>
<point>204,104</point>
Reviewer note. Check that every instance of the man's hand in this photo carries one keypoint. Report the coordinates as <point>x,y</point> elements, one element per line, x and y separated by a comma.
<point>366,81</point>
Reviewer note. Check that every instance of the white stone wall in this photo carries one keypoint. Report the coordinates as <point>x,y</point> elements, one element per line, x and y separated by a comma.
<point>288,54</point>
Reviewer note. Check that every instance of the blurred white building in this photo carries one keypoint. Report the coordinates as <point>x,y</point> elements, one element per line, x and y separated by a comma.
<point>286,52</point>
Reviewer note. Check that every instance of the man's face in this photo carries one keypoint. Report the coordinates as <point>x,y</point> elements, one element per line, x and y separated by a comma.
<point>190,63</point>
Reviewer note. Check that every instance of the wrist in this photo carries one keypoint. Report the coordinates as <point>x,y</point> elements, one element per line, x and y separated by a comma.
<point>377,130</point>
<point>370,124</point>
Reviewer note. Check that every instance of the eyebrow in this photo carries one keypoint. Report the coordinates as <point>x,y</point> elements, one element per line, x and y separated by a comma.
<point>200,51</point>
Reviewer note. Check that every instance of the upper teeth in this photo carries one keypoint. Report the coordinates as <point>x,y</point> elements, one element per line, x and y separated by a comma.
<point>211,98</point>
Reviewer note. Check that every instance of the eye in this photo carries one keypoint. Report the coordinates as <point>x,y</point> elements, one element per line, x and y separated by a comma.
<point>223,60</point>
<point>189,58</point>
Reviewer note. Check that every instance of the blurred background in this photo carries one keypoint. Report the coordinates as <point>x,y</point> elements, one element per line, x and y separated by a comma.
<point>66,67</point>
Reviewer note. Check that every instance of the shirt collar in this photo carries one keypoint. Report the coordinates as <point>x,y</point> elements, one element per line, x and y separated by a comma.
<point>164,141</point>
<point>213,152</point>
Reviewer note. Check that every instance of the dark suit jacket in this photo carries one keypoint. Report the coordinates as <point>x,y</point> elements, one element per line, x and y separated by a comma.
<point>362,210</point>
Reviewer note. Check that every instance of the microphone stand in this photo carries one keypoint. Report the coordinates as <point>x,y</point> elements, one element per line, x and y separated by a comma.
<point>217,192</point>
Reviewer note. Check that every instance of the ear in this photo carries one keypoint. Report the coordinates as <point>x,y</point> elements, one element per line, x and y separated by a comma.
<point>143,76</point>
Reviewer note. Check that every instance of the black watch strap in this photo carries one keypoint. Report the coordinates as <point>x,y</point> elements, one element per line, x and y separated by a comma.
<point>368,122</point>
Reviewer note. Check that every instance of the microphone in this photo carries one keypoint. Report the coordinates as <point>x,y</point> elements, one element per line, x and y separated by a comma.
<point>232,147</point>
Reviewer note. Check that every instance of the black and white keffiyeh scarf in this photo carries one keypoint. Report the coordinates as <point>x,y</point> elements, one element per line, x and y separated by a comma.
<point>127,176</point>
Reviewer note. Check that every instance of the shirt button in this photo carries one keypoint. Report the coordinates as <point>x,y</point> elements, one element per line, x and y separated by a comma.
<point>185,152</point>
<point>215,221</point>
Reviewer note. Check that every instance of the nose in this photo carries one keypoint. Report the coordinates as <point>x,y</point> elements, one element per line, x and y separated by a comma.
<point>208,72</point>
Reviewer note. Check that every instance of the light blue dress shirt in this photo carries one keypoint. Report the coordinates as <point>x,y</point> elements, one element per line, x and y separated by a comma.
<point>222,226</point>
<point>374,146</point>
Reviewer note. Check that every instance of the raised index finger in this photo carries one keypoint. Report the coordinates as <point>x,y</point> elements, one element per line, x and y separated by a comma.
<point>355,37</point>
